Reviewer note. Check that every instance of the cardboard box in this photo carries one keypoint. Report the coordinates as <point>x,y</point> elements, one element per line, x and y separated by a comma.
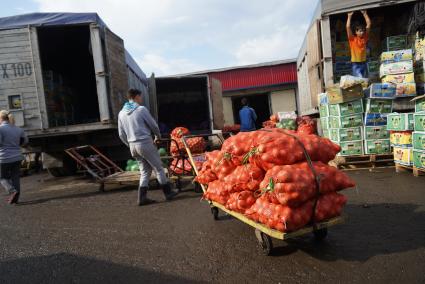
<point>336,95</point>
<point>420,78</point>
<point>419,121</point>
<point>323,98</point>
<point>396,56</point>
<point>346,108</point>
<point>375,119</point>
<point>373,67</point>
<point>419,49</point>
<point>348,121</point>
<point>401,138</point>
<point>419,103</point>
<point>380,146</point>
<point>405,90</point>
<point>324,110</point>
<point>379,106</point>
<point>381,91</point>
<point>326,133</point>
<point>345,134</point>
<point>351,148</point>
<point>395,68</point>
<point>419,158</point>
<point>343,67</point>
<point>418,140</point>
<point>400,121</point>
<point>324,122</point>
<point>376,132</point>
<point>399,78</point>
<point>395,43</point>
<point>342,45</point>
<point>403,155</point>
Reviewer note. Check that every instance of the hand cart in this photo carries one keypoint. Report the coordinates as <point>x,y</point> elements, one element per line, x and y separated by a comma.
<point>263,233</point>
<point>90,160</point>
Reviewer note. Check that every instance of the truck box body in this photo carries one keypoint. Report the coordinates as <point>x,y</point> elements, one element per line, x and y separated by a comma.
<point>316,62</point>
<point>64,73</point>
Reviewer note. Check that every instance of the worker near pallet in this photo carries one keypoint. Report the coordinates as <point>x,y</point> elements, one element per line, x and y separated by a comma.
<point>11,140</point>
<point>135,129</point>
<point>247,116</point>
<point>358,42</point>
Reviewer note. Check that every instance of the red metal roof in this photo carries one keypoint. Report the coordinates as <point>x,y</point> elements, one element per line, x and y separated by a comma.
<point>256,76</point>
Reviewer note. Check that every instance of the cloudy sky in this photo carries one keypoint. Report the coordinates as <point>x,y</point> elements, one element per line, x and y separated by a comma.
<point>179,36</point>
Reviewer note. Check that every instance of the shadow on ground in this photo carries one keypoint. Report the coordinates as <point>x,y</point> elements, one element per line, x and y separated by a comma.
<point>380,229</point>
<point>67,268</point>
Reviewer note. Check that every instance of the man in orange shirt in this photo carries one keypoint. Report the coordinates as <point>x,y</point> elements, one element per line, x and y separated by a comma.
<point>358,44</point>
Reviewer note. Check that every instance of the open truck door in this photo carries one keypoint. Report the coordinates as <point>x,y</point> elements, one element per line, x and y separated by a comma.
<point>117,71</point>
<point>216,96</point>
<point>153,101</point>
<point>21,81</point>
<point>314,62</point>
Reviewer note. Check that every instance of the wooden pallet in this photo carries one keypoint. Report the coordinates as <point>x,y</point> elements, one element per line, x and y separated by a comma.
<point>416,171</point>
<point>363,162</point>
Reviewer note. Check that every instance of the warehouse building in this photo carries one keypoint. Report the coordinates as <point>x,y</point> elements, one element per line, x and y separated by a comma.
<point>270,88</point>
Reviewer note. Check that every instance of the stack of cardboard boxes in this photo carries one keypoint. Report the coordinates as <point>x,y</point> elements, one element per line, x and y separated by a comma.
<point>341,116</point>
<point>418,137</point>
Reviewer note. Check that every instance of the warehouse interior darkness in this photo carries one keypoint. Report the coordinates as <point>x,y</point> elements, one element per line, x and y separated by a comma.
<point>183,102</point>
<point>69,81</point>
<point>259,102</point>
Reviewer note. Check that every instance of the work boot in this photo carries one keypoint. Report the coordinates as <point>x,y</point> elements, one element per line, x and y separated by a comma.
<point>14,196</point>
<point>143,198</point>
<point>168,192</point>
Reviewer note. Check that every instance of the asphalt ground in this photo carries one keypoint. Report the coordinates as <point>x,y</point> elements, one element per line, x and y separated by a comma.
<point>66,231</point>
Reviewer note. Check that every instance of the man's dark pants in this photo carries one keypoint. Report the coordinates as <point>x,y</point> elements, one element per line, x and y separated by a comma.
<point>10,176</point>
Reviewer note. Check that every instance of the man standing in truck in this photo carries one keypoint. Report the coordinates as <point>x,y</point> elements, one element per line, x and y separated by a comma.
<point>247,116</point>
<point>135,128</point>
<point>11,140</point>
<point>358,42</point>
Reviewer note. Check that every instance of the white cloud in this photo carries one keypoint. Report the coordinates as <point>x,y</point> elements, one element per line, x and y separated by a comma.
<point>170,36</point>
<point>162,66</point>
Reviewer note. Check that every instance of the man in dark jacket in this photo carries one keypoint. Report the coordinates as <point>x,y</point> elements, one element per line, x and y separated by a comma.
<point>11,140</point>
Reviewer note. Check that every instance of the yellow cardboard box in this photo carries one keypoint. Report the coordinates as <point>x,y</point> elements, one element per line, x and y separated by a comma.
<point>400,78</point>
<point>403,155</point>
<point>401,138</point>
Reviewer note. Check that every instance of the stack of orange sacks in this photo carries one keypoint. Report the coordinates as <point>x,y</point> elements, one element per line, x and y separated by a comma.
<point>265,175</point>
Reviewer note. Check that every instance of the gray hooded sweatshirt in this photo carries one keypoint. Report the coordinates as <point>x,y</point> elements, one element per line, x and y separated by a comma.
<point>136,125</point>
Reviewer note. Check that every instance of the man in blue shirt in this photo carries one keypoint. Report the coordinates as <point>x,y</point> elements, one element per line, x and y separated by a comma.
<point>247,116</point>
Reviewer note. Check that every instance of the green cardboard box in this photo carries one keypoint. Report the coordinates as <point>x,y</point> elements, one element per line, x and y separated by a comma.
<point>347,121</point>
<point>380,146</point>
<point>324,110</point>
<point>326,133</point>
<point>395,43</point>
<point>336,95</point>
<point>418,140</point>
<point>376,132</point>
<point>379,106</point>
<point>324,122</point>
<point>400,121</point>
<point>345,134</point>
<point>351,148</point>
<point>419,158</point>
<point>420,103</point>
<point>419,121</point>
<point>347,108</point>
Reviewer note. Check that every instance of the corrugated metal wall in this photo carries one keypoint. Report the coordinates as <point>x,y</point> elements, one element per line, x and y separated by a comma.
<point>257,77</point>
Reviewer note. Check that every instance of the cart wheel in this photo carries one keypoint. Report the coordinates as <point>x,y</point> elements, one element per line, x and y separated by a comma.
<point>198,188</point>
<point>320,234</point>
<point>264,241</point>
<point>102,187</point>
<point>214,211</point>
